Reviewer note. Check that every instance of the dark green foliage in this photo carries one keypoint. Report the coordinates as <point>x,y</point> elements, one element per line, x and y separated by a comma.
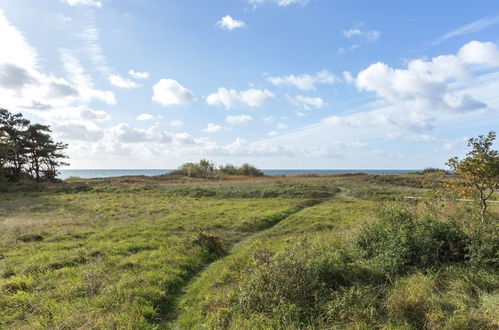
<point>205,169</point>
<point>399,241</point>
<point>249,170</point>
<point>433,170</point>
<point>27,150</point>
<point>484,245</point>
<point>31,238</point>
<point>212,244</point>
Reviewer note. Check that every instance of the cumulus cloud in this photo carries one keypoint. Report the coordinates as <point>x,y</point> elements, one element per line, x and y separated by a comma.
<point>121,82</point>
<point>305,82</point>
<point>78,132</point>
<point>87,3</point>
<point>228,23</point>
<point>481,53</point>
<point>169,92</point>
<point>231,98</point>
<point>425,84</point>
<point>126,134</point>
<point>214,128</point>
<point>138,74</point>
<point>238,119</point>
<point>145,116</point>
<point>305,102</point>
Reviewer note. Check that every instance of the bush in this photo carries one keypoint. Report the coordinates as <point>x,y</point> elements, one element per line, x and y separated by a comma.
<point>484,245</point>
<point>399,241</point>
<point>203,169</point>
<point>206,169</point>
<point>249,170</point>
<point>211,244</point>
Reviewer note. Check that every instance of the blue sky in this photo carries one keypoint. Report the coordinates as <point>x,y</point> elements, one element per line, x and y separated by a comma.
<point>277,83</point>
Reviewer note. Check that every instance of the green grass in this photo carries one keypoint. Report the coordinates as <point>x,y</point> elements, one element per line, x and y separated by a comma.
<point>121,253</point>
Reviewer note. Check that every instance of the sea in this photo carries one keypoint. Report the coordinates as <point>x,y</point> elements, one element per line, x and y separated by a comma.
<point>91,174</point>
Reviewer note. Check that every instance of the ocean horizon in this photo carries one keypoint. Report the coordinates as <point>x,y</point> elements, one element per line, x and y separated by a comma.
<point>104,173</point>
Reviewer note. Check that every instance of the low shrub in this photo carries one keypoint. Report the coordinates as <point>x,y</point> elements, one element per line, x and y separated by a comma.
<point>484,245</point>
<point>205,169</point>
<point>399,241</point>
<point>211,244</point>
<point>30,238</point>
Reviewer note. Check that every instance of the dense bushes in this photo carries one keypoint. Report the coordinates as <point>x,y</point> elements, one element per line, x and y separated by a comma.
<point>400,271</point>
<point>399,241</point>
<point>206,169</point>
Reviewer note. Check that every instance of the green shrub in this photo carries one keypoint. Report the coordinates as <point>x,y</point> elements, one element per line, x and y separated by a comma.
<point>211,244</point>
<point>203,169</point>
<point>206,169</point>
<point>399,241</point>
<point>249,170</point>
<point>484,245</point>
<point>31,238</point>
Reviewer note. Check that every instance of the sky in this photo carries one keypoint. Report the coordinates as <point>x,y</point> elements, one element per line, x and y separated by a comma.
<point>280,84</point>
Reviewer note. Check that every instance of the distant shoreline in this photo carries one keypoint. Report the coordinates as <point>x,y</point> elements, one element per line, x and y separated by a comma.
<point>92,174</point>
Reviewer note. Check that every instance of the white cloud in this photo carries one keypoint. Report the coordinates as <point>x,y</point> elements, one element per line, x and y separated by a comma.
<point>24,86</point>
<point>145,116</point>
<point>176,123</point>
<point>472,27</point>
<point>239,119</point>
<point>213,128</point>
<point>15,49</point>
<point>268,119</point>
<point>88,3</point>
<point>348,77</point>
<point>139,75</point>
<point>282,3</point>
<point>90,37</point>
<point>481,53</point>
<point>306,102</point>
<point>272,133</point>
<point>367,35</point>
<point>77,132</point>
<point>425,84</point>
<point>231,98</point>
<point>64,18</point>
<point>83,81</point>
<point>121,82</point>
<point>169,92</point>
<point>305,82</point>
<point>228,23</point>
<point>359,37</point>
<point>281,126</point>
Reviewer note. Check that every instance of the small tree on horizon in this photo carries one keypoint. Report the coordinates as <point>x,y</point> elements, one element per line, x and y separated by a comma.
<point>478,172</point>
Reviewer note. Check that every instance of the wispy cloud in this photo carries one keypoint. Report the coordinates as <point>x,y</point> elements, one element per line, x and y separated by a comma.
<point>282,3</point>
<point>472,27</point>
<point>304,82</point>
<point>88,3</point>
<point>360,37</point>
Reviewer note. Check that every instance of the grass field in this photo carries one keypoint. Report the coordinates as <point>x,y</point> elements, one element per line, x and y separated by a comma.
<point>122,253</point>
